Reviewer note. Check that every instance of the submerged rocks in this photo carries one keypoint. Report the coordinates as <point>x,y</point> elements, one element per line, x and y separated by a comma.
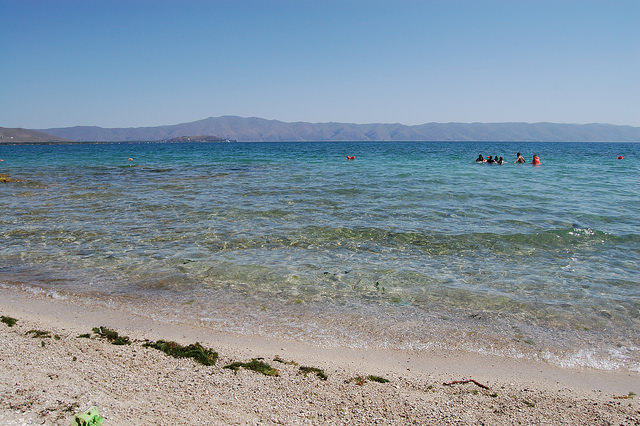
<point>7,178</point>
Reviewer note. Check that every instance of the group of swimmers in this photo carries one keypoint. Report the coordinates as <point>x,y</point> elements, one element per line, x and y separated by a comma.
<point>499,160</point>
<point>490,159</point>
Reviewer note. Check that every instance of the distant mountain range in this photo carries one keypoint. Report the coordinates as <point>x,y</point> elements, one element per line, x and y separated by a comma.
<point>12,135</point>
<point>259,130</point>
<point>201,138</point>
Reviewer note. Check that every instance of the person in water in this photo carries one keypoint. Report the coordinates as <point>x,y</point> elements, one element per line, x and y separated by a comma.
<point>490,160</point>
<point>500,161</point>
<point>520,159</point>
<point>480,159</point>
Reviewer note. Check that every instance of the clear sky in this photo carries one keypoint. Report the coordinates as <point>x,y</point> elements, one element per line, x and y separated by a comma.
<point>115,63</point>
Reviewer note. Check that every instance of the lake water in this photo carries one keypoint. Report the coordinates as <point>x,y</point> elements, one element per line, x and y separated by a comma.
<point>410,245</point>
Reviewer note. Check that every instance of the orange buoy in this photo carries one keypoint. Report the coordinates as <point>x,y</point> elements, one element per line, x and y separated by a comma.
<point>130,159</point>
<point>619,157</point>
<point>351,157</point>
<point>536,160</point>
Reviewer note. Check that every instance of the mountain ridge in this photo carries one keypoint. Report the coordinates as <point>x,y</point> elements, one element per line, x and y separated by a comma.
<point>254,129</point>
<point>10,135</point>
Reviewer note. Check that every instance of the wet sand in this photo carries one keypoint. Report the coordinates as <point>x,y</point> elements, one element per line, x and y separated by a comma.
<point>47,380</point>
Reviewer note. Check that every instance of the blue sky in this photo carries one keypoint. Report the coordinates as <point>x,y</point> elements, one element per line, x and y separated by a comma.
<point>146,63</point>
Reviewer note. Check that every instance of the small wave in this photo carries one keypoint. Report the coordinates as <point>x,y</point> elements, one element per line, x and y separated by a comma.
<point>447,244</point>
<point>29,288</point>
<point>378,240</point>
<point>585,358</point>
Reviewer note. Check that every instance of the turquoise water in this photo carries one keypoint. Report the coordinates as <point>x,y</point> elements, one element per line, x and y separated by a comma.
<point>410,245</point>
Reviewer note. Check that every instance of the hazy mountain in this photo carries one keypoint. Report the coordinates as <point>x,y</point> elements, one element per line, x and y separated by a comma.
<point>201,138</point>
<point>258,129</point>
<point>10,135</point>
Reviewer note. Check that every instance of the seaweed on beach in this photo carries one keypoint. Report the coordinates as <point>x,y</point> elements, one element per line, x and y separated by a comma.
<point>112,336</point>
<point>196,351</point>
<point>282,361</point>
<point>377,379</point>
<point>256,365</point>
<point>318,372</point>
<point>360,381</point>
<point>8,320</point>
<point>41,334</point>
<point>630,395</point>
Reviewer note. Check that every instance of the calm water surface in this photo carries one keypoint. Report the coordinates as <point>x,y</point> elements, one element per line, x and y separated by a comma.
<point>410,245</point>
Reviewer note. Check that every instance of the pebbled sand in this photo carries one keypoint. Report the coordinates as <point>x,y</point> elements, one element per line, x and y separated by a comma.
<point>136,385</point>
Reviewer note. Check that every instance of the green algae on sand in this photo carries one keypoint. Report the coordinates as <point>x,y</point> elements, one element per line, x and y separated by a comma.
<point>318,372</point>
<point>39,334</point>
<point>112,336</point>
<point>256,365</point>
<point>8,320</point>
<point>204,356</point>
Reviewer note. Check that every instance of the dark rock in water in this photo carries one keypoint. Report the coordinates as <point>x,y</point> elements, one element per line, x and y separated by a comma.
<point>7,178</point>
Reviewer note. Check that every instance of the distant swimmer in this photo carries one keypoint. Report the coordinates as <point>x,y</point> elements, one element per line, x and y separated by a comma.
<point>490,160</point>
<point>480,159</point>
<point>500,161</point>
<point>520,159</point>
<point>536,160</point>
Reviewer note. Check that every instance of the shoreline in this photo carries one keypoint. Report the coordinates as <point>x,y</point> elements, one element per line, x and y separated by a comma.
<point>121,381</point>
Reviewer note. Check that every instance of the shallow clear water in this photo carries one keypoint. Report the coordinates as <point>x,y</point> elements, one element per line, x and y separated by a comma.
<point>410,245</point>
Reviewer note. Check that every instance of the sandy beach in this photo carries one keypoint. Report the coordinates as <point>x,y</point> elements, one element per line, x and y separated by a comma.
<point>47,380</point>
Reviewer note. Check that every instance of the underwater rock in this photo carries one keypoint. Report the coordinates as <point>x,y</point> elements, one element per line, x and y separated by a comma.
<point>7,178</point>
